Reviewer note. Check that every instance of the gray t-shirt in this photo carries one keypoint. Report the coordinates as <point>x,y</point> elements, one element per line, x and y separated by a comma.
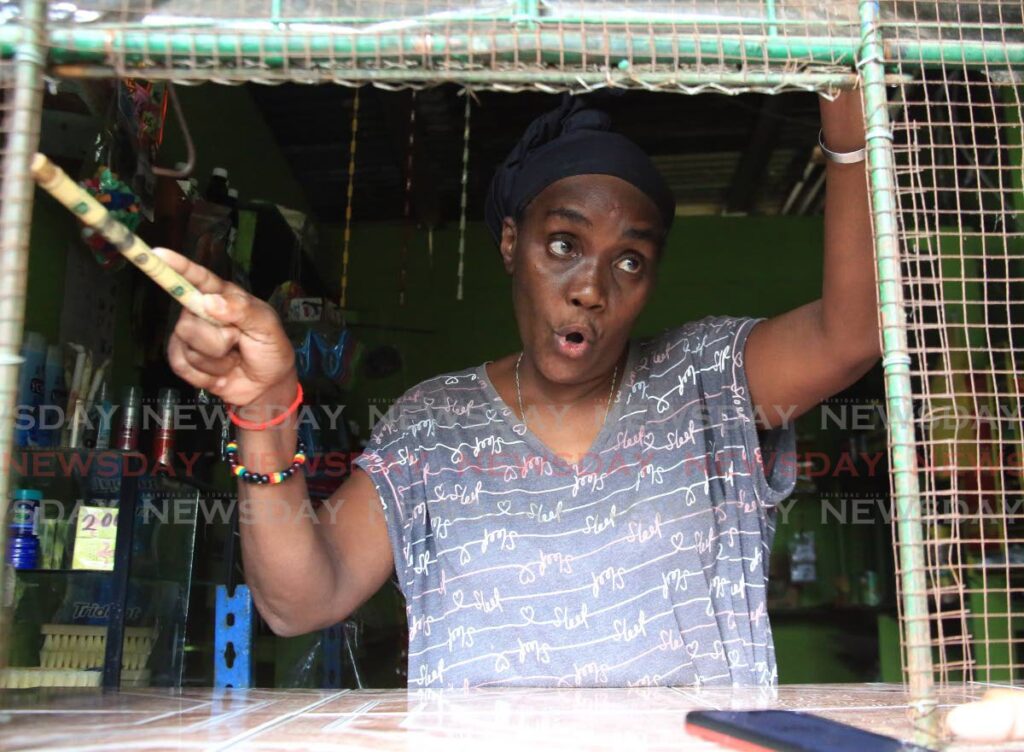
<point>646,564</point>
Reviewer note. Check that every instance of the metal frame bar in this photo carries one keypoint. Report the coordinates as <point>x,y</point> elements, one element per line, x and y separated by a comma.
<point>896,364</point>
<point>530,13</point>
<point>15,219</point>
<point>233,628</point>
<point>331,639</point>
<point>278,46</point>
<point>725,81</point>
<point>127,499</point>
<point>274,46</point>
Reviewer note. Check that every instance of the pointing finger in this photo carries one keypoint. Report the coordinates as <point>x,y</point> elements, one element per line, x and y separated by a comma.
<point>204,280</point>
<point>249,314</point>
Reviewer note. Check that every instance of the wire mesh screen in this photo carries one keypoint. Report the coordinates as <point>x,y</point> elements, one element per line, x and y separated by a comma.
<point>957,148</point>
<point>548,44</point>
<point>687,45</point>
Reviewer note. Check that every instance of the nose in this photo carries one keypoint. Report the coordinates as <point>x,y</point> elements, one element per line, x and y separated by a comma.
<point>588,289</point>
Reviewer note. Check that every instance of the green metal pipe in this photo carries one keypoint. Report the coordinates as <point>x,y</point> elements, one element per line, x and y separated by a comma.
<point>641,18</point>
<point>273,46</point>
<point>935,53</point>
<point>526,11</point>
<point>365,23</point>
<point>896,363</point>
<point>530,11</point>
<point>22,141</point>
<point>83,45</point>
<point>771,17</point>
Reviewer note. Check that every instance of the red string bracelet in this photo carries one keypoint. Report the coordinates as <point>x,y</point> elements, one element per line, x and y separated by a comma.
<point>251,426</point>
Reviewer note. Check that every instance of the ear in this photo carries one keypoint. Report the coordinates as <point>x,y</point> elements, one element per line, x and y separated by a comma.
<point>508,243</point>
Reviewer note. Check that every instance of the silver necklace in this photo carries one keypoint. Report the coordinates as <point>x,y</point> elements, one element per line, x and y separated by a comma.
<point>519,394</point>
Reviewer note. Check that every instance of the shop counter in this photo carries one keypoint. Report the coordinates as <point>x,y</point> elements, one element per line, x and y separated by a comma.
<point>486,719</point>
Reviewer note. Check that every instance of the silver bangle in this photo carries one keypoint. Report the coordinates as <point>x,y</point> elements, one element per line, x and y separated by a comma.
<point>840,157</point>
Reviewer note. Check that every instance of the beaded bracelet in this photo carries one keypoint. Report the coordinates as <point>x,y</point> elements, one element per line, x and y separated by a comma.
<point>263,479</point>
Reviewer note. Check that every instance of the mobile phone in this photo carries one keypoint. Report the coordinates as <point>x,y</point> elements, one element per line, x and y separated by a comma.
<point>787,731</point>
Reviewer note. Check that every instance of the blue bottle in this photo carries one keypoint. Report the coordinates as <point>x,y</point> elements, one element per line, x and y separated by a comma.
<point>22,541</point>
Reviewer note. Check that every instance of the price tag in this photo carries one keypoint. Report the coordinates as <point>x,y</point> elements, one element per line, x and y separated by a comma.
<point>95,537</point>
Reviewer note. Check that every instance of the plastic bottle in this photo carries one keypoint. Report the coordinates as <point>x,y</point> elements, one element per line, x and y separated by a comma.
<point>105,417</point>
<point>186,185</point>
<point>217,187</point>
<point>55,398</point>
<point>22,541</point>
<point>163,438</point>
<point>97,432</point>
<point>31,381</point>
<point>233,233</point>
<point>131,417</point>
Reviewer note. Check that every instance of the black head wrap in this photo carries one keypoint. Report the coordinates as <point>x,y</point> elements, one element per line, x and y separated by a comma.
<point>572,139</point>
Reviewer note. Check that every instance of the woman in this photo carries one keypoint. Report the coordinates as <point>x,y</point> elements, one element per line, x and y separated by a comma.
<point>589,511</point>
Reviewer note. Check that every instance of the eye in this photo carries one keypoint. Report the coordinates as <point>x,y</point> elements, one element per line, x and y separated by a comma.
<point>560,247</point>
<point>631,264</point>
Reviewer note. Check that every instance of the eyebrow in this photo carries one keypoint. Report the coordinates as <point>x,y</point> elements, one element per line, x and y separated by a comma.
<point>635,233</point>
<point>569,214</point>
<point>576,217</point>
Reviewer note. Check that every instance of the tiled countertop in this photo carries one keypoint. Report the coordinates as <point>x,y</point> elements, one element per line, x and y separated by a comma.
<point>484,720</point>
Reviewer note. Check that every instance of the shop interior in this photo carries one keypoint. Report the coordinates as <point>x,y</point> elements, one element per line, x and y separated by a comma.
<point>358,214</point>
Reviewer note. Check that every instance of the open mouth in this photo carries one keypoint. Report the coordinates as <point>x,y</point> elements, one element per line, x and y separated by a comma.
<point>572,342</point>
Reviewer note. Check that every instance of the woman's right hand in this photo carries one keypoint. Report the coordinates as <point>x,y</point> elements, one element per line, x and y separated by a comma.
<point>248,359</point>
<point>249,362</point>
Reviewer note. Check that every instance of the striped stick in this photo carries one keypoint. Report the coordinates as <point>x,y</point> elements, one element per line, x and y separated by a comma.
<point>92,213</point>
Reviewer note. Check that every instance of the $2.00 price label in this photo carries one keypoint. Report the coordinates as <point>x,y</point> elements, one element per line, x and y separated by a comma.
<point>95,535</point>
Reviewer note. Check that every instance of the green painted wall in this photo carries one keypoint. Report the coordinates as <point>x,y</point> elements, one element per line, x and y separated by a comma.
<point>229,131</point>
<point>810,653</point>
<point>52,229</point>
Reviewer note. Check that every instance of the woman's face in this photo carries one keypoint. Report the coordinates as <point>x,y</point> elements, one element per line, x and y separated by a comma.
<point>583,260</point>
